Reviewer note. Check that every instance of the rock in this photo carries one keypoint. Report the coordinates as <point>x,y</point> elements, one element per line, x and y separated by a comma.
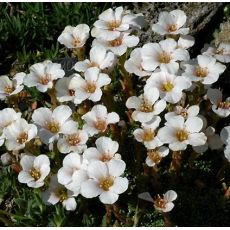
<point>199,15</point>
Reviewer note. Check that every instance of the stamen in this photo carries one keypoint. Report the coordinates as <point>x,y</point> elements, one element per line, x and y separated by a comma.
<point>181,135</point>
<point>201,72</point>
<point>71,92</point>
<point>76,42</point>
<point>154,156</point>
<point>112,25</point>
<point>90,87</point>
<point>220,51</point>
<point>115,42</point>
<point>62,194</point>
<point>106,183</point>
<point>172,28</point>
<point>93,64</point>
<point>105,157</point>
<point>164,58</point>
<point>100,125</point>
<point>224,105</point>
<point>146,107</point>
<point>148,135</point>
<point>44,80</point>
<point>22,138</point>
<point>74,139</point>
<point>160,202</point>
<point>168,86</point>
<point>53,126</point>
<point>35,173</point>
<point>9,89</point>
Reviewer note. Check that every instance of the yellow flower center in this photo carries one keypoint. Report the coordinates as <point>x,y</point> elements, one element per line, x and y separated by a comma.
<point>93,64</point>
<point>220,51</point>
<point>74,139</point>
<point>9,89</point>
<point>105,157</point>
<point>100,125</point>
<point>115,42</point>
<point>172,28</point>
<point>112,25</point>
<point>160,202</point>
<point>90,87</point>
<point>44,80</point>
<point>168,86</point>
<point>146,107</point>
<point>35,173</point>
<point>154,156</point>
<point>224,105</point>
<point>148,135</point>
<point>62,194</point>
<point>164,58</point>
<point>76,42</point>
<point>181,135</point>
<point>53,126</point>
<point>183,114</point>
<point>106,183</point>
<point>71,92</point>
<point>22,138</point>
<point>201,72</point>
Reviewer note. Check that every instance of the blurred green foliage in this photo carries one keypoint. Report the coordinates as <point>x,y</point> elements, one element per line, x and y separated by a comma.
<point>29,31</point>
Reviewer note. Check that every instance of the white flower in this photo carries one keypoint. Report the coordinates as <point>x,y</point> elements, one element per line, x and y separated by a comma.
<point>155,155</point>
<point>74,140</point>
<point>18,134</point>
<point>170,86</point>
<point>119,45</point>
<point>11,87</point>
<point>42,75</point>
<point>2,138</point>
<point>134,64</point>
<point>225,135</point>
<point>171,23</point>
<point>164,54</point>
<point>89,87</point>
<point>146,105</point>
<point>58,193</point>
<point>106,149</point>
<point>220,107</point>
<point>162,204</point>
<point>73,172</point>
<point>65,89</point>
<point>52,123</point>
<point>6,159</point>
<point>213,141</point>
<point>105,181</point>
<point>74,37</point>
<point>221,53</point>
<point>191,111</point>
<point>147,134</point>
<point>205,69</point>
<point>34,170</point>
<point>178,133</point>
<point>98,119</point>
<point>99,57</point>
<point>185,41</point>
<point>112,23</point>
<point>227,152</point>
<point>7,117</point>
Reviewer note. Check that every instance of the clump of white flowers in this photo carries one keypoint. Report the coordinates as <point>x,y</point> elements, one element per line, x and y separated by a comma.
<point>81,123</point>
